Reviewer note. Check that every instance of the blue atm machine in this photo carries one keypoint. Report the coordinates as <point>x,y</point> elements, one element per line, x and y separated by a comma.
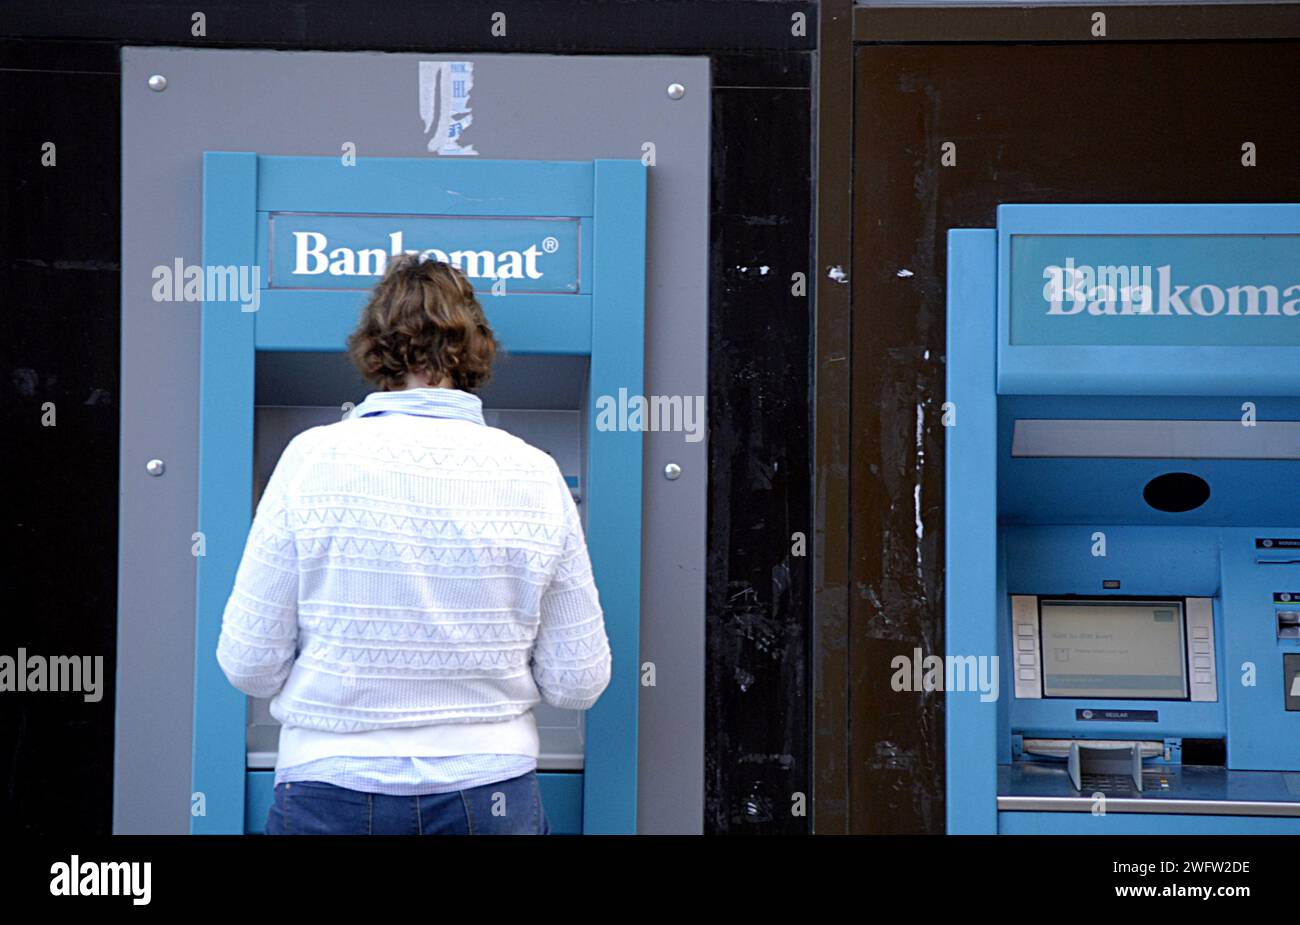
<point>556,252</point>
<point>1123,521</point>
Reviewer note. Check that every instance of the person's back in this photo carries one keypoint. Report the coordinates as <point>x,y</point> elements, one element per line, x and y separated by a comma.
<point>414,583</point>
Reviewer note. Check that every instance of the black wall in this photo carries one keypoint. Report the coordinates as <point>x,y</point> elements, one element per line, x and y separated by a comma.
<point>756,752</point>
<point>59,301</point>
<point>60,245</point>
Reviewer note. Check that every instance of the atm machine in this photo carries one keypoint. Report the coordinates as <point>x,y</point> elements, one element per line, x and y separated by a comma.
<point>1123,521</point>
<point>556,253</point>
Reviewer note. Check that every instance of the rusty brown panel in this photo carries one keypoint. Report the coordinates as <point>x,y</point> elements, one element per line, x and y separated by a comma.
<point>1127,23</point>
<point>1032,123</point>
<point>829,661</point>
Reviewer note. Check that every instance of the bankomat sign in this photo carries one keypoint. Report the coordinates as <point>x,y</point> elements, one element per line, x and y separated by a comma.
<point>1155,290</point>
<point>313,251</point>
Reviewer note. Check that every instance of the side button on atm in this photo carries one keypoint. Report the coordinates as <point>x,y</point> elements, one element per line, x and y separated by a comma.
<point>1291,674</point>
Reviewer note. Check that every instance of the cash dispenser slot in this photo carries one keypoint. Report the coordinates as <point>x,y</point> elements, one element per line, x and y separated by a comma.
<point>1107,762</point>
<point>1092,763</point>
<point>539,398</point>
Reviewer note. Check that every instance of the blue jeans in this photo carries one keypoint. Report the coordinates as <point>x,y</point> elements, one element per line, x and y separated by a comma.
<point>509,807</point>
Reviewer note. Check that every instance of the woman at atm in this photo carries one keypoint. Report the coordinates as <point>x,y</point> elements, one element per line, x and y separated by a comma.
<point>414,582</point>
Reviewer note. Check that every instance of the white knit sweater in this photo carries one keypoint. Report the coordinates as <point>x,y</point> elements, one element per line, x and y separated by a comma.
<point>413,583</point>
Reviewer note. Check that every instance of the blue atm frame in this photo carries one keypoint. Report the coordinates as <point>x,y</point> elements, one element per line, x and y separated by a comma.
<point>604,320</point>
<point>1006,364</point>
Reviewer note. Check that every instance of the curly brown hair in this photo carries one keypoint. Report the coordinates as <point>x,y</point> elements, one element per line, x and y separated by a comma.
<point>423,317</point>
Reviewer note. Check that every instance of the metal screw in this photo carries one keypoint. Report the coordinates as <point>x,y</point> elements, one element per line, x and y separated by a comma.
<point>676,91</point>
<point>157,83</point>
<point>672,472</point>
<point>155,467</point>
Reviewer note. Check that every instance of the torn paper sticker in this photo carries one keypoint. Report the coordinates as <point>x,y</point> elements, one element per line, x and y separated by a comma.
<point>444,104</point>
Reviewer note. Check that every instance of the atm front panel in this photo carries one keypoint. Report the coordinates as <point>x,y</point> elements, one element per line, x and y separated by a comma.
<point>1123,552</point>
<point>556,252</point>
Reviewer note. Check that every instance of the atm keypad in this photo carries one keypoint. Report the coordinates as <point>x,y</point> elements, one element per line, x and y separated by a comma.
<point>1024,623</point>
<point>1200,628</point>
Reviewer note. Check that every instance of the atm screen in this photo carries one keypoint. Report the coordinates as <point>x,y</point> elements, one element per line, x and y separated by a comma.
<point>1103,649</point>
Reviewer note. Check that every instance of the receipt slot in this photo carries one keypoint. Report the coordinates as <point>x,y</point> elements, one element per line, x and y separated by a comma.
<point>1123,546</point>
<point>556,252</point>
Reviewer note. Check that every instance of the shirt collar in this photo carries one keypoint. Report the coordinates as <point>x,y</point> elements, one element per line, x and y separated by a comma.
<point>427,402</point>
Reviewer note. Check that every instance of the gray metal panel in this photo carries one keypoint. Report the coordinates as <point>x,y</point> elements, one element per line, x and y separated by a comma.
<point>1126,439</point>
<point>1030,786</point>
<point>1088,804</point>
<point>311,103</point>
